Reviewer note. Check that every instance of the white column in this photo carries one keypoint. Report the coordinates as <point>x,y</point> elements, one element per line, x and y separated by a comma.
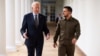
<point>2,29</point>
<point>22,9</point>
<point>29,6</point>
<point>18,22</point>
<point>26,6</point>
<point>10,25</point>
<point>22,15</point>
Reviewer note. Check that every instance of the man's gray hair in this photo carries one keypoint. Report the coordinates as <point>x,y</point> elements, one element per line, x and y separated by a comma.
<point>35,2</point>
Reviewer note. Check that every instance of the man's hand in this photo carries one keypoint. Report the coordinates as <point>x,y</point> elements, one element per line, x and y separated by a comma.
<point>48,36</point>
<point>74,40</point>
<point>55,45</point>
<point>25,35</point>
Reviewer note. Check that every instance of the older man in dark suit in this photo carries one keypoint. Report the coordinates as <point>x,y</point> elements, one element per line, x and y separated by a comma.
<point>33,26</point>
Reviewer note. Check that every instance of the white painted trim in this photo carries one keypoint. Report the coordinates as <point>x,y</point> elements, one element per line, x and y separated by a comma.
<point>10,49</point>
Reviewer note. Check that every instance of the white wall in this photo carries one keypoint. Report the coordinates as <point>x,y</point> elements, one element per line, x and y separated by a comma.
<point>10,25</point>
<point>87,12</point>
<point>2,29</point>
<point>79,12</point>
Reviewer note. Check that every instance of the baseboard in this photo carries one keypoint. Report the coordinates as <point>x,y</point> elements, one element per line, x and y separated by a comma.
<point>81,51</point>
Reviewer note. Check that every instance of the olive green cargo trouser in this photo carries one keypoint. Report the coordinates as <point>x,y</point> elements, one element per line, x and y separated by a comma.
<point>64,50</point>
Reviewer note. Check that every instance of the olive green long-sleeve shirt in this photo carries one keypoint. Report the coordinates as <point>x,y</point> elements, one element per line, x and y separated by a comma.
<point>67,30</point>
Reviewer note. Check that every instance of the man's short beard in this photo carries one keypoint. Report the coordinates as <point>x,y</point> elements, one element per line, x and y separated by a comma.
<point>66,16</point>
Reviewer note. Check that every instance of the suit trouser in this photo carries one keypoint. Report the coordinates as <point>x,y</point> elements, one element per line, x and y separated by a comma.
<point>64,50</point>
<point>38,47</point>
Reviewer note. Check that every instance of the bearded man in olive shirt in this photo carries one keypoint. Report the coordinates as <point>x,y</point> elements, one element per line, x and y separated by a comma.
<point>68,31</point>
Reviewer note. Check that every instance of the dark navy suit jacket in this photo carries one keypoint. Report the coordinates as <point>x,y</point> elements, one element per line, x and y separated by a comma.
<point>34,33</point>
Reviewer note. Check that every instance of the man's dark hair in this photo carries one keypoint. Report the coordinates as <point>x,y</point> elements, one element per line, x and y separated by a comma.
<point>69,8</point>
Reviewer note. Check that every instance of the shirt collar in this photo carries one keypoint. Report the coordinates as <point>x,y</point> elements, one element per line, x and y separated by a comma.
<point>69,18</point>
<point>34,14</point>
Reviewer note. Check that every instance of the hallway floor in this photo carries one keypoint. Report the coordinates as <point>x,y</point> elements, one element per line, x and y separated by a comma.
<point>48,49</point>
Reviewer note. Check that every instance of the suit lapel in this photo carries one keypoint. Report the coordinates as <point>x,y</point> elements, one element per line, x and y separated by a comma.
<point>40,21</point>
<point>39,18</point>
<point>33,21</point>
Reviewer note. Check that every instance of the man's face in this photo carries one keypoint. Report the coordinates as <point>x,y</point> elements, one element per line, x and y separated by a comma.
<point>66,12</point>
<point>36,8</point>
